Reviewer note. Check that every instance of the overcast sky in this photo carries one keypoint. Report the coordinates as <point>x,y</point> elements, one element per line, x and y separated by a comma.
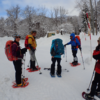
<point>67,4</point>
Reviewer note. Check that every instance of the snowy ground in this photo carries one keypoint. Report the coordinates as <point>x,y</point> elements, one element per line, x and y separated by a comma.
<point>43,87</point>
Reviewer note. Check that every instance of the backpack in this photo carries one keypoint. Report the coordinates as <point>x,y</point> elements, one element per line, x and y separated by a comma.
<point>26,42</point>
<point>8,50</point>
<point>58,47</point>
<point>78,37</point>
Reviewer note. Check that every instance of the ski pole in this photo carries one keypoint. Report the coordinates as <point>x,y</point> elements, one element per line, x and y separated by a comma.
<point>38,66</point>
<point>92,78</point>
<point>82,61</point>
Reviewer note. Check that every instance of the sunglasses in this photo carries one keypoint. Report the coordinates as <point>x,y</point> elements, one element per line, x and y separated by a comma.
<point>18,37</point>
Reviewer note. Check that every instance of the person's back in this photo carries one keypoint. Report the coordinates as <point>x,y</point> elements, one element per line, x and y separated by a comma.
<point>57,49</point>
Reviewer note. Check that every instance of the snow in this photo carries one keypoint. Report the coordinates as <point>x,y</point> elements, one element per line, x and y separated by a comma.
<point>42,86</point>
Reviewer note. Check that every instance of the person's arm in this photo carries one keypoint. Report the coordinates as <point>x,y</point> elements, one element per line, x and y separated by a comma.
<point>30,44</point>
<point>96,53</point>
<point>68,43</point>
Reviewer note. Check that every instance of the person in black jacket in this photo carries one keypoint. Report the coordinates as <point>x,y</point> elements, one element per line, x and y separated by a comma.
<point>17,52</point>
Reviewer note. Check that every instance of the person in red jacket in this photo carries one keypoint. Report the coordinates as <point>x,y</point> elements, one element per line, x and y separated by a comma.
<point>95,88</point>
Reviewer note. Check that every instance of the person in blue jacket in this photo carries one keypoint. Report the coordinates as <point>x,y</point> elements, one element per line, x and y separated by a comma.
<point>75,44</point>
<point>55,58</point>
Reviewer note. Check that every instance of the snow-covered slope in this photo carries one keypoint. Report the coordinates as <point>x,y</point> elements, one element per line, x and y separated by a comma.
<point>43,87</point>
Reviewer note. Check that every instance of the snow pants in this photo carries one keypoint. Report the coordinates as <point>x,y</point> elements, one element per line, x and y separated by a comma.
<point>58,65</point>
<point>32,55</point>
<point>18,70</point>
<point>95,84</point>
<point>74,52</point>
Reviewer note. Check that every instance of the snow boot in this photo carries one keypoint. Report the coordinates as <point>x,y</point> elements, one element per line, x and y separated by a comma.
<point>75,63</point>
<point>89,97</point>
<point>97,94</point>
<point>52,75</point>
<point>59,75</point>
<point>33,66</point>
<point>30,64</point>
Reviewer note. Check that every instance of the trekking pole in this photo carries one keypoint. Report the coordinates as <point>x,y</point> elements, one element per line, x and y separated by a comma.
<point>82,60</point>
<point>24,65</point>
<point>38,66</point>
<point>28,64</point>
<point>23,75</point>
<point>66,53</point>
<point>92,78</point>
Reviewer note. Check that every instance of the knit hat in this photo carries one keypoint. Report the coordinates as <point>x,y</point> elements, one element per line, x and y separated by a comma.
<point>16,35</point>
<point>99,40</point>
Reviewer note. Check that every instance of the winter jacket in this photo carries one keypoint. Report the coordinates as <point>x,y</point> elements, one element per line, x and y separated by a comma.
<point>52,46</point>
<point>96,55</point>
<point>16,51</point>
<point>74,42</point>
<point>32,42</point>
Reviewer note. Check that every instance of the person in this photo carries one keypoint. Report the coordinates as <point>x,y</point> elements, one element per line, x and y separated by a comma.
<point>95,88</point>
<point>32,47</point>
<point>75,45</point>
<point>17,52</point>
<point>55,57</point>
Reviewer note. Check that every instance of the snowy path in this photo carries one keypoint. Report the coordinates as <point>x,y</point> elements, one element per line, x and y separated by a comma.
<point>43,87</point>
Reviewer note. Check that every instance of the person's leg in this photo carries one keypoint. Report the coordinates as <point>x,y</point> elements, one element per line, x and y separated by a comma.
<point>58,66</point>
<point>53,66</point>
<point>74,52</point>
<point>33,60</point>
<point>94,84</point>
<point>98,88</point>
<point>18,69</point>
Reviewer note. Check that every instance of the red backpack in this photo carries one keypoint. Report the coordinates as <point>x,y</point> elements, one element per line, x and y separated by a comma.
<point>78,37</point>
<point>26,42</point>
<point>8,50</point>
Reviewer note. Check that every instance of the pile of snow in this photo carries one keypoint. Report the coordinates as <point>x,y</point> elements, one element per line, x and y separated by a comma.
<point>43,87</point>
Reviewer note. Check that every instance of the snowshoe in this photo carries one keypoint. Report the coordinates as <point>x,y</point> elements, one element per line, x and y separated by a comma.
<point>74,65</point>
<point>25,84</point>
<point>34,70</point>
<point>47,68</point>
<point>87,96</point>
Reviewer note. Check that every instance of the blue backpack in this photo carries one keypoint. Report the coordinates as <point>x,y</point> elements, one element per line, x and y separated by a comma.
<point>58,47</point>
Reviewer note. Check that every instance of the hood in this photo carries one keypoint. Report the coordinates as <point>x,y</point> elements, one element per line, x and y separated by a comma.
<point>73,35</point>
<point>99,40</point>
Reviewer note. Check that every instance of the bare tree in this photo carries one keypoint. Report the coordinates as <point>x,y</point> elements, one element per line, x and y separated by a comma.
<point>28,14</point>
<point>62,12</point>
<point>13,17</point>
<point>56,15</point>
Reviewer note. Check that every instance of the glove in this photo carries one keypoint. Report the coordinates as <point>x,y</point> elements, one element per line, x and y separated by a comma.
<point>65,45</point>
<point>80,48</point>
<point>98,48</point>
<point>23,51</point>
<point>33,50</point>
